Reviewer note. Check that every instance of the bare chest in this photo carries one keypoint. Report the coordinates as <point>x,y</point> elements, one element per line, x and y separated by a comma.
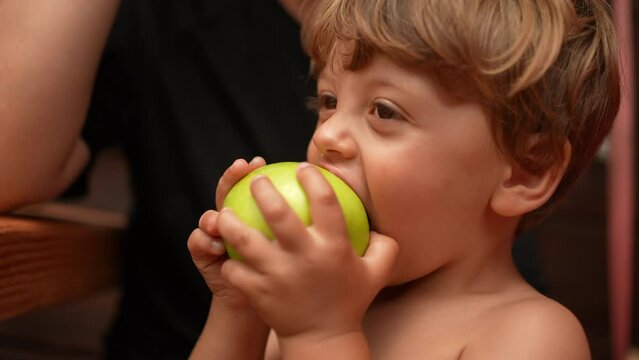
<point>442,334</point>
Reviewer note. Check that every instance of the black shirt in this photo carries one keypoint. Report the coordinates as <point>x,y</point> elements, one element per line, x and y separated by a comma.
<point>186,87</point>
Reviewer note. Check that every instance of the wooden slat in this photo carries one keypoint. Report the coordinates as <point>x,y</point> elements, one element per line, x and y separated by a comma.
<point>45,262</point>
<point>621,192</point>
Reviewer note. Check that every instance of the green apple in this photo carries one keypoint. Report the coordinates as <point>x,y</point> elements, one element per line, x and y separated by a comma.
<point>283,177</point>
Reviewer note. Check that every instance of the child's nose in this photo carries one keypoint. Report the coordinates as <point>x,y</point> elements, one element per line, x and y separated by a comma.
<point>333,139</point>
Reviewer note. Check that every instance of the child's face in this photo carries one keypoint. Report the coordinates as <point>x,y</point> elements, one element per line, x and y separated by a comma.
<point>425,164</point>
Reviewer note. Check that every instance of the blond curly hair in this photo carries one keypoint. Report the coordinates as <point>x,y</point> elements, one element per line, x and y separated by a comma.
<point>543,69</point>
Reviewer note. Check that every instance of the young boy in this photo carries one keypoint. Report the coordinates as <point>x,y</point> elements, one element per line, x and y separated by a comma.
<point>458,123</point>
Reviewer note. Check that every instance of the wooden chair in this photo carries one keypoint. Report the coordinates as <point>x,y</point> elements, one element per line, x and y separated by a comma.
<point>55,253</point>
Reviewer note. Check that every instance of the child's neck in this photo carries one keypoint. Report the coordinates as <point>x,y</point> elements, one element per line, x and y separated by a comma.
<point>491,271</point>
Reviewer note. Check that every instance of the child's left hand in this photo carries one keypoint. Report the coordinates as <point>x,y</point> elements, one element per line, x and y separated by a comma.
<point>309,281</point>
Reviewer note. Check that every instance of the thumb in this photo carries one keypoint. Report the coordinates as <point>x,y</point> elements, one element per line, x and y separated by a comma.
<point>380,257</point>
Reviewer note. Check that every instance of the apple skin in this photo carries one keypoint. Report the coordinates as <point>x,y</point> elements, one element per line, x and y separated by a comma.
<point>283,177</point>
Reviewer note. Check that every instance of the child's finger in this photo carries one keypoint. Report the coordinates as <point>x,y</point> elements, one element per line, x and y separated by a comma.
<point>242,277</point>
<point>380,256</point>
<point>233,174</point>
<point>204,248</point>
<point>325,209</point>
<point>256,162</point>
<point>249,243</point>
<point>208,222</point>
<point>287,227</point>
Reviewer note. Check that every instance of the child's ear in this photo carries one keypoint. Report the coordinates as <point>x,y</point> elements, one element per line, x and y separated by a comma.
<point>521,192</point>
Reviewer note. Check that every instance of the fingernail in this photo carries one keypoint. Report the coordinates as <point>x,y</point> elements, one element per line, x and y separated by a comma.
<point>259,178</point>
<point>304,165</point>
<point>217,245</point>
<point>255,159</point>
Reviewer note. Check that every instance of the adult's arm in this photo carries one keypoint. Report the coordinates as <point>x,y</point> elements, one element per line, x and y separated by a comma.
<point>49,54</point>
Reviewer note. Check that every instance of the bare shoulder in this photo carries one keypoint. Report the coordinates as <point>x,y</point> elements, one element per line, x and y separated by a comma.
<point>533,327</point>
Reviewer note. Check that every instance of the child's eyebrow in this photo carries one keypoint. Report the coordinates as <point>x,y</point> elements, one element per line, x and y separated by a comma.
<point>382,82</point>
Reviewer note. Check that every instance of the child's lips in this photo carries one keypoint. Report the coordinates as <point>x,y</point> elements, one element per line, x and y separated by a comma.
<point>349,181</point>
<point>344,178</point>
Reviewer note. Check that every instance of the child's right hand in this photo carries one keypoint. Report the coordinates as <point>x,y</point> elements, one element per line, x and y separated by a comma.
<point>208,254</point>
<point>207,247</point>
<point>232,319</point>
<point>232,175</point>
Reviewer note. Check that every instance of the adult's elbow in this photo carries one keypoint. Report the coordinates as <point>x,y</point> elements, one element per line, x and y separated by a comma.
<point>26,182</point>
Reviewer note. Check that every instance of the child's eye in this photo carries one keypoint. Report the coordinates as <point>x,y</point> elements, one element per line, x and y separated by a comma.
<point>385,112</point>
<point>322,102</point>
<point>327,101</point>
